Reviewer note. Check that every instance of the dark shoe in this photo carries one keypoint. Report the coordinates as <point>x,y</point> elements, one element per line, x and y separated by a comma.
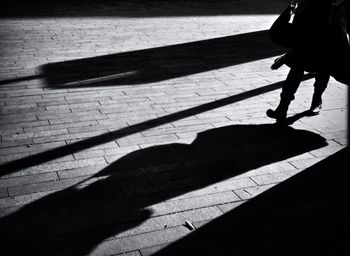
<point>279,115</point>
<point>316,105</point>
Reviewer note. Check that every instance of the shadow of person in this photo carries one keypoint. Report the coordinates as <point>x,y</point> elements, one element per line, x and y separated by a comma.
<point>160,63</point>
<point>118,199</point>
<point>292,119</point>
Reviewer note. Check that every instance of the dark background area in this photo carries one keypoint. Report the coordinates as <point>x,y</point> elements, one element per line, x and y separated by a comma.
<point>139,8</point>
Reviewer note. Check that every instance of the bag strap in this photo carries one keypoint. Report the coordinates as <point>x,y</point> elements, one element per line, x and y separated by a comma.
<point>293,6</point>
<point>294,3</point>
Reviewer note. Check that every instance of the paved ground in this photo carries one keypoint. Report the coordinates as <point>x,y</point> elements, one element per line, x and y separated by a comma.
<point>127,126</point>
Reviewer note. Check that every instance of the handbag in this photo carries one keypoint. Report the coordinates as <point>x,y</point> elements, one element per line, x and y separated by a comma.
<point>283,31</point>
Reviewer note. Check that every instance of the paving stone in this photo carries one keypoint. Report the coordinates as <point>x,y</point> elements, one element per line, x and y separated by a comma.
<point>134,253</point>
<point>43,186</point>
<point>152,250</point>
<point>25,124</point>
<point>193,203</point>
<point>200,224</point>
<point>269,169</point>
<point>342,142</point>
<point>28,92</point>
<point>273,177</point>
<point>172,130</point>
<point>3,192</point>
<point>19,181</point>
<point>52,167</point>
<point>22,199</point>
<point>172,220</point>
<point>21,109</point>
<point>32,149</point>
<point>82,118</point>
<point>17,118</point>
<point>34,135</point>
<point>22,100</point>
<point>108,219</point>
<point>140,241</point>
<point>6,146</point>
<point>230,206</point>
<point>305,163</point>
<point>248,193</point>
<point>143,140</point>
<point>227,185</point>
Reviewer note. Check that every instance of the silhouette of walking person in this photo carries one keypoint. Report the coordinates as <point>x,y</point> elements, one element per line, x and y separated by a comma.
<point>321,47</point>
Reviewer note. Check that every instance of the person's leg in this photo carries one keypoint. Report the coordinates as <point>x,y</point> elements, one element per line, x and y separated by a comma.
<point>320,85</point>
<point>289,88</point>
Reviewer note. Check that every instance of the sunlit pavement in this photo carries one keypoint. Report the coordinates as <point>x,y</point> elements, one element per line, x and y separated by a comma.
<point>128,126</point>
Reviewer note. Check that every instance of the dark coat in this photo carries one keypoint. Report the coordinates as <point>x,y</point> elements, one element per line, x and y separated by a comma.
<point>323,45</point>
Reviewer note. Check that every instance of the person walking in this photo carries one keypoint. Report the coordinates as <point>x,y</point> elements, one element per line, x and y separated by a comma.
<point>322,47</point>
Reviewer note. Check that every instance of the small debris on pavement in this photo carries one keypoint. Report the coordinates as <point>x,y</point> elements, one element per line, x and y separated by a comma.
<point>189,225</point>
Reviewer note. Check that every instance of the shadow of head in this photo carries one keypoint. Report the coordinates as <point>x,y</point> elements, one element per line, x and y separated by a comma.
<point>241,147</point>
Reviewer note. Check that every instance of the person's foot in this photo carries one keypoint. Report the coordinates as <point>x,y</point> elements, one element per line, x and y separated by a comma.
<point>277,114</point>
<point>316,105</point>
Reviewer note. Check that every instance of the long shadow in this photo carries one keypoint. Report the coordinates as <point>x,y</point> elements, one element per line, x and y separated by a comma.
<point>138,8</point>
<point>292,119</point>
<point>119,197</point>
<point>162,63</point>
<point>20,79</point>
<point>58,152</point>
<point>305,215</point>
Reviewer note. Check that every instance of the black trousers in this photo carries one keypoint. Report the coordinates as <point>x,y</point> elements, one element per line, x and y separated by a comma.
<point>293,81</point>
